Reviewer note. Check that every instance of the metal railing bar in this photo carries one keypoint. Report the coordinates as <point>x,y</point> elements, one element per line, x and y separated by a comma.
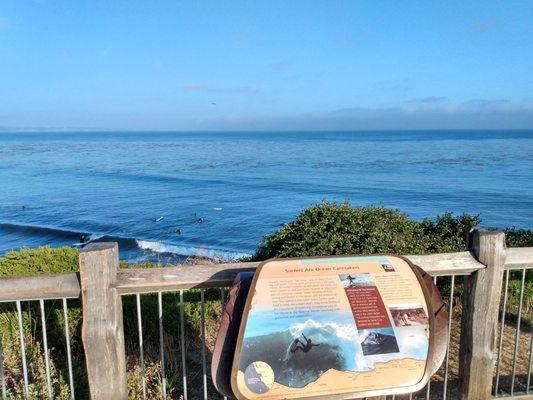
<point>202,316</point>
<point>517,336</point>
<point>529,365</point>
<point>182,339</point>
<point>502,326</point>
<point>45,344</point>
<point>428,386</point>
<point>161,344</point>
<point>2,373</point>
<point>222,307</point>
<point>141,345</point>
<point>452,287</point>
<point>69,355</point>
<point>23,351</point>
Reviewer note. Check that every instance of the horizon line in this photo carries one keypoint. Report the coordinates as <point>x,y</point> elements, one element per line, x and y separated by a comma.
<point>104,130</point>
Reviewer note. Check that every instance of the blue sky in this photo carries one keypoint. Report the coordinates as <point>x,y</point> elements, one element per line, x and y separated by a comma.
<point>178,65</point>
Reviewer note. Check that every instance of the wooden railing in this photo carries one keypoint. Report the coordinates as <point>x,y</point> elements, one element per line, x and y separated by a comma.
<point>101,284</point>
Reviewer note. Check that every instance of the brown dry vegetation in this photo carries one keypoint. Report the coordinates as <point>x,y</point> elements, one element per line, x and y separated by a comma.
<point>193,345</point>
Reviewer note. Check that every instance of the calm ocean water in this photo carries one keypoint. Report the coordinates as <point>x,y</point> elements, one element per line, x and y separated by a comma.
<point>219,193</point>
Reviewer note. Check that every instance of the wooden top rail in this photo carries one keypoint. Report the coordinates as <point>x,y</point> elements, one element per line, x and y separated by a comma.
<point>519,257</point>
<point>461,263</point>
<point>181,277</point>
<point>142,280</point>
<point>40,287</point>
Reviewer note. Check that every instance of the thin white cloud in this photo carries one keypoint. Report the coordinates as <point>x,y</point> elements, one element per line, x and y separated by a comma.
<point>473,114</point>
<point>208,87</point>
<point>439,111</point>
<point>426,100</point>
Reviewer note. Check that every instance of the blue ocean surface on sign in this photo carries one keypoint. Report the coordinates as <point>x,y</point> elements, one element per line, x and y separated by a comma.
<point>165,196</point>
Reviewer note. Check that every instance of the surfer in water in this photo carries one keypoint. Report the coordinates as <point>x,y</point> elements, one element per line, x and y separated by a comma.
<point>299,345</point>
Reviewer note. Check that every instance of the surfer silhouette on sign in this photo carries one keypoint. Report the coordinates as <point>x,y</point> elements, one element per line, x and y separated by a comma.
<point>351,279</point>
<point>299,345</point>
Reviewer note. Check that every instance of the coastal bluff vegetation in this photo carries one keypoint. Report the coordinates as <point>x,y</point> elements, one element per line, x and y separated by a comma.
<point>327,228</point>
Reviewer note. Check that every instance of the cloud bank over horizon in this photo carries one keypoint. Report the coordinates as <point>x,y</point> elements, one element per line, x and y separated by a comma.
<point>432,112</point>
<point>415,114</point>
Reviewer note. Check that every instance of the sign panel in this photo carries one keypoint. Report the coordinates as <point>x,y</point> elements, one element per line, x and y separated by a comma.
<point>323,326</point>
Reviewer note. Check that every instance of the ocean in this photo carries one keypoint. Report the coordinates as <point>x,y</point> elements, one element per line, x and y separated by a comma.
<point>165,196</point>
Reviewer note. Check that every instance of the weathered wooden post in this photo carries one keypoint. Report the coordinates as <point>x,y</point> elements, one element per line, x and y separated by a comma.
<point>481,300</point>
<point>102,329</point>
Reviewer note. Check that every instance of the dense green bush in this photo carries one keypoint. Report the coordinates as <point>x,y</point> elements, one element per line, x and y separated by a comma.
<point>518,237</point>
<point>42,260</point>
<point>331,228</point>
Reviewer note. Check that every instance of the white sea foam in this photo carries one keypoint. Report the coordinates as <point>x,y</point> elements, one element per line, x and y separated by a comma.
<point>160,247</point>
<point>342,331</point>
<point>339,336</point>
<point>94,236</point>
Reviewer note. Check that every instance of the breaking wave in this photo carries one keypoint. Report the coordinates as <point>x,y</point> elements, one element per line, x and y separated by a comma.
<point>165,248</point>
<point>132,249</point>
<point>337,347</point>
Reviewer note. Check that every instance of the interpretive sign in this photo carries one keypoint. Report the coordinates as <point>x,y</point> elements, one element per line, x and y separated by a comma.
<point>331,326</point>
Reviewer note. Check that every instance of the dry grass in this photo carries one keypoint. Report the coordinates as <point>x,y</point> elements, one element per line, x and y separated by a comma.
<point>193,345</point>
<point>436,388</point>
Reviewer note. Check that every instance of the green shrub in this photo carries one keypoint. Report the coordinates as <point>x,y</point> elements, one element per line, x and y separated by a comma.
<point>42,260</point>
<point>331,228</point>
<point>518,237</point>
